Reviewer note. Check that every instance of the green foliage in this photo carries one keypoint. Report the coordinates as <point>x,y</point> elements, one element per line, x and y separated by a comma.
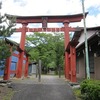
<point>4,53</point>
<point>77,93</point>
<point>47,47</point>
<point>6,26</point>
<point>90,89</point>
<point>6,29</point>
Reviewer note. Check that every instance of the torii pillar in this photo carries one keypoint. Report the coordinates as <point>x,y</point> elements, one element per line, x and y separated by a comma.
<point>26,66</point>
<point>67,39</point>
<point>7,68</point>
<point>72,63</point>
<point>21,53</point>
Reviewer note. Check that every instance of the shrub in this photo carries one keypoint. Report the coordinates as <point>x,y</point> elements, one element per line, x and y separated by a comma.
<point>90,89</point>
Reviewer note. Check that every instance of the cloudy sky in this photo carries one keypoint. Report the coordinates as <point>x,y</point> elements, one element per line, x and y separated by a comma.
<point>54,7</point>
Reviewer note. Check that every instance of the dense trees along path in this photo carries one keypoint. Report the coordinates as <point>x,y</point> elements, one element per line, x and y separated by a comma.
<point>50,88</point>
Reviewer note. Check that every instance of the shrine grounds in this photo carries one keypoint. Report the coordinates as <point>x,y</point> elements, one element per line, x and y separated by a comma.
<point>48,88</point>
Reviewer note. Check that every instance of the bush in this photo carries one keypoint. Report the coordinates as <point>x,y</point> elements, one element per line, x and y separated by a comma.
<point>90,89</point>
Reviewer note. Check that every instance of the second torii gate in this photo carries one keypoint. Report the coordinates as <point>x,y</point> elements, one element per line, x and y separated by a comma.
<point>70,54</point>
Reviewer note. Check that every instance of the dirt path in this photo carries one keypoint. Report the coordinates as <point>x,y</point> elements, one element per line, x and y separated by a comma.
<point>50,88</point>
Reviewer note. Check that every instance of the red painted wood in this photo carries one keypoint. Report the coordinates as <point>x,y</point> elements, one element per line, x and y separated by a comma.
<point>66,33</point>
<point>7,69</point>
<point>73,63</point>
<point>24,58</point>
<point>50,19</point>
<point>23,36</point>
<point>67,65</point>
<point>26,67</point>
<point>45,30</point>
<point>20,65</point>
<point>16,55</point>
<point>12,71</point>
<point>67,39</point>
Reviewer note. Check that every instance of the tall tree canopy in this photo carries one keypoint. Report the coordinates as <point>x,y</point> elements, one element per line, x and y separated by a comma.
<point>6,29</point>
<point>47,47</point>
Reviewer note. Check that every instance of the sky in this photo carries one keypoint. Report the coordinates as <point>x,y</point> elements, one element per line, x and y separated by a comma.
<point>53,7</point>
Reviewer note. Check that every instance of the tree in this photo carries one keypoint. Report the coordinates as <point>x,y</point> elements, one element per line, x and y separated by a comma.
<point>47,47</point>
<point>59,48</point>
<point>6,29</point>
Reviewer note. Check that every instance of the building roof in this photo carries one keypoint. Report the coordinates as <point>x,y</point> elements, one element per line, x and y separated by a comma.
<point>77,34</point>
<point>80,29</point>
<point>94,28</point>
<point>75,38</point>
<point>13,43</point>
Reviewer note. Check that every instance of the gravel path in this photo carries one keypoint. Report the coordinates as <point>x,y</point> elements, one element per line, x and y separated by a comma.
<point>50,88</point>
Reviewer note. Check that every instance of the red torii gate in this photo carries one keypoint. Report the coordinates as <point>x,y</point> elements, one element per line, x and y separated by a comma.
<point>70,54</point>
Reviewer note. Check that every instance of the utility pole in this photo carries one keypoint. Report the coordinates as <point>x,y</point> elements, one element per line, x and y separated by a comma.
<point>86,44</point>
<point>0,4</point>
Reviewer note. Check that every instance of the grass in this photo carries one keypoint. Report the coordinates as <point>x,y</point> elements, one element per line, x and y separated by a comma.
<point>77,93</point>
<point>9,95</point>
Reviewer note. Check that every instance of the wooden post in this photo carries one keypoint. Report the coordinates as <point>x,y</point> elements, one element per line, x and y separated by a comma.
<point>21,54</point>
<point>67,39</point>
<point>36,70</point>
<point>20,65</point>
<point>7,69</point>
<point>59,71</point>
<point>26,66</point>
<point>39,71</point>
<point>73,63</point>
<point>23,35</point>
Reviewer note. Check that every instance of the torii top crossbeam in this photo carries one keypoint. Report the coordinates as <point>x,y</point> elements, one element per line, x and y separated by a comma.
<point>49,19</point>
